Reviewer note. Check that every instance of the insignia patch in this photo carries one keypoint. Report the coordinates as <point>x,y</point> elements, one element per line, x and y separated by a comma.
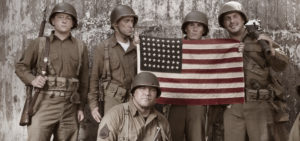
<point>104,132</point>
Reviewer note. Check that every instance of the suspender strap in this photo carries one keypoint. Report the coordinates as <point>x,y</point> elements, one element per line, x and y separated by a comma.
<point>106,74</point>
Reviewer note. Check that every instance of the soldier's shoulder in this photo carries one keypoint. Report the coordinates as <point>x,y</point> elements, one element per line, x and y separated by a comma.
<point>116,110</point>
<point>161,117</point>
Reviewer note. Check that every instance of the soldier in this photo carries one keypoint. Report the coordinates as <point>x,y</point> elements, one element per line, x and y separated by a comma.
<point>187,122</point>
<point>59,106</point>
<point>114,63</point>
<point>137,120</point>
<point>251,120</point>
<point>295,131</point>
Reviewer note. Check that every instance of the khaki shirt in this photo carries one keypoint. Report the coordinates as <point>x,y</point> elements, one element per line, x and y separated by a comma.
<point>64,59</point>
<point>113,126</point>
<point>123,66</point>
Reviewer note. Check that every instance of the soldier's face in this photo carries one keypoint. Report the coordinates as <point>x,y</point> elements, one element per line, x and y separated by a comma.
<point>145,97</point>
<point>125,26</point>
<point>62,22</point>
<point>194,31</point>
<point>234,23</point>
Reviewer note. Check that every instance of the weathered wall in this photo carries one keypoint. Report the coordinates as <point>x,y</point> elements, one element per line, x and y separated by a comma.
<point>19,21</point>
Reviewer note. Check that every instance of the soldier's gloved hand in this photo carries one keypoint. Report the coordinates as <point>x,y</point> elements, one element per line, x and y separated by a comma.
<point>80,115</point>
<point>270,42</point>
<point>96,115</point>
<point>39,81</point>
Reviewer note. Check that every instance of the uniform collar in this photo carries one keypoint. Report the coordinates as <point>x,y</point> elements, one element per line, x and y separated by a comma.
<point>112,42</point>
<point>134,111</point>
<point>54,37</point>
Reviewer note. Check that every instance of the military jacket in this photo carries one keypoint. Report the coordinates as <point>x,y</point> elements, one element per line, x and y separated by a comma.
<point>257,64</point>
<point>123,66</point>
<point>64,61</point>
<point>114,127</point>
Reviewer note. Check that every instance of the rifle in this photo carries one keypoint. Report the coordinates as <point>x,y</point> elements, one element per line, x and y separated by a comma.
<point>254,28</point>
<point>30,101</point>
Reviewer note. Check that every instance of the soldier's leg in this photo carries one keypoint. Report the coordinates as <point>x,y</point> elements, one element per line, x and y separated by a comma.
<point>68,126</point>
<point>258,116</point>
<point>234,126</point>
<point>44,120</point>
<point>195,123</point>
<point>176,119</point>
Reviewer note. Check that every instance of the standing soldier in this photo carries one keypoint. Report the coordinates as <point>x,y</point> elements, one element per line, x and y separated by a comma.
<point>114,63</point>
<point>254,119</point>
<point>187,122</point>
<point>137,120</point>
<point>295,131</point>
<point>63,85</point>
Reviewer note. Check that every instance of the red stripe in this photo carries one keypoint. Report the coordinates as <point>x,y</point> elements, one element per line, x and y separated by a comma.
<point>212,61</point>
<point>226,70</point>
<point>210,41</point>
<point>209,51</point>
<point>182,90</point>
<point>178,101</point>
<point>228,80</point>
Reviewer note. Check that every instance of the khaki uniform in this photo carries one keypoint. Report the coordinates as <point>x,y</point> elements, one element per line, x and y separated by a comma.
<point>295,131</point>
<point>55,111</point>
<point>123,69</point>
<point>255,117</point>
<point>124,123</point>
<point>187,122</point>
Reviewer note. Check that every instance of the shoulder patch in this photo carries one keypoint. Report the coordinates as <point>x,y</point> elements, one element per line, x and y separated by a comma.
<point>104,132</point>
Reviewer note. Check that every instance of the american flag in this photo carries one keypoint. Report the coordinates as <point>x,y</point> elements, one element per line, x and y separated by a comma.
<point>194,72</point>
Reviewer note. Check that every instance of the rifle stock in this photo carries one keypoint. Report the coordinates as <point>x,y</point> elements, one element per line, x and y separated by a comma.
<point>30,101</point>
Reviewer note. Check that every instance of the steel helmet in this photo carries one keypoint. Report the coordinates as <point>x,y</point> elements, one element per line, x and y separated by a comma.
<point>231,6</point>
<point>64,8</point>
<point>122,11</point>
<point>195,16</point>
<point>145,79</point>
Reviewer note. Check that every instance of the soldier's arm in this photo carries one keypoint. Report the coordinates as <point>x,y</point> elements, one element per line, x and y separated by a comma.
<point>96,73</point>
<point>278,62</point>
<point>84,78</point>
<point>110,124</point>
<point>27,62</point>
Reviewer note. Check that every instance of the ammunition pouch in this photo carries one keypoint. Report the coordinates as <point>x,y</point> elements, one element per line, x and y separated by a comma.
<point>115,91</point>
<point>61,86</point>
<point>259,95</point>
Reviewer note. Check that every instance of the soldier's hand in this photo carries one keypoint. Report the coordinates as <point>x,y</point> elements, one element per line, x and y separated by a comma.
<point>96,115</point>
<point>241,46</point>
<point>270,42</point>
<point>80,115</point>
<point>39,81</point>
<point>136,39</point>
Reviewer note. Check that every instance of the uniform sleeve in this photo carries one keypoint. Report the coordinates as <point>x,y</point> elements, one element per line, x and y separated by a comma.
<point>110,124</point>
<point>84,78</point>
<point>27,62</point>
<point>96,73</point>
<point>278,62</point>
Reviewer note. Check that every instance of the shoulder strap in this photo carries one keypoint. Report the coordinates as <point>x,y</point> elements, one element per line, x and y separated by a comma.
<point>42,44</point>
<point>106,74</point>
<point>80,54</point>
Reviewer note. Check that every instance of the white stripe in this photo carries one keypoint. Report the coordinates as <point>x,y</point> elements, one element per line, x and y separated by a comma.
<point>212,66</point>
<point>201,96</point>
<point>201,85</point>
<point>210,46</point>
<point>201,76</point>
<point>211,56</point>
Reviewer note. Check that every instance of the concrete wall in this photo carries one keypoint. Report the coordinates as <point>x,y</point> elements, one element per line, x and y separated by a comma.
<point>20,19</point>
